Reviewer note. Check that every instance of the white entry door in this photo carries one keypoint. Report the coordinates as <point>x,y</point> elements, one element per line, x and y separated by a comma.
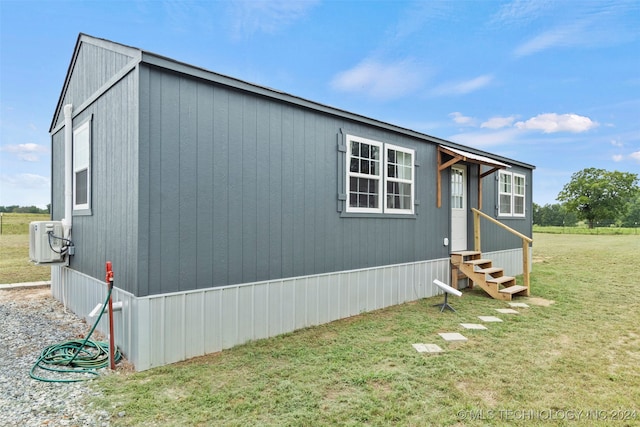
<point>458,208</point>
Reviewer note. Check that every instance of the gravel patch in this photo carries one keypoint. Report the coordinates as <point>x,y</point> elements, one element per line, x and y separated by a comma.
<point>30,320</point>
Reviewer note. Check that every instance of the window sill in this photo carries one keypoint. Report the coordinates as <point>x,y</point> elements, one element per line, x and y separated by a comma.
<point>377,215</point>
<point>82,212</point>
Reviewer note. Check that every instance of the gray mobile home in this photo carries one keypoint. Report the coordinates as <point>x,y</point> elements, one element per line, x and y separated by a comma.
<point>233,212</point>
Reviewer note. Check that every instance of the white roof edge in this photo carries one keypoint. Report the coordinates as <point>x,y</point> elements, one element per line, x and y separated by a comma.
<point>477,157</point>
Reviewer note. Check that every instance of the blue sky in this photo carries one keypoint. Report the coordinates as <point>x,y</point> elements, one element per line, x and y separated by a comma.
<point>552,83</point>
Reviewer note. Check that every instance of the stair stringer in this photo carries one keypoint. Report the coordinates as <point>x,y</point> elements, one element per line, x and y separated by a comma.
<point>480,279</point>
<point>487,277</point>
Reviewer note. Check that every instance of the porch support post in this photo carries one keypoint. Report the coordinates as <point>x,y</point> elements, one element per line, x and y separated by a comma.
<point>442,167</point>
<point>439,180</point>
<point>525,265</point>
<point>479,187</point>
<point>476,232</point>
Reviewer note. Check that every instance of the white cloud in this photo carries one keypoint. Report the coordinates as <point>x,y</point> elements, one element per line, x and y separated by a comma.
<point>552,122</point>
<point>589,24</point>
<point>25,189</point>
<point>381,80</point>
<point>463,87</point>
<point>26,180</point>
<point>617,143</point>
<point>252,16</point>
<point>564,36</point>
<point>461,119</point>
<point>28,152</point>
<point>519,12</point>
<point>635,156</point>
<point>617,157</point>
<point>498,122</point>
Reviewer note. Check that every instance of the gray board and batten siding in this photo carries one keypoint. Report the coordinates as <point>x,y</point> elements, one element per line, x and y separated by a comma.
<point>204,187</point>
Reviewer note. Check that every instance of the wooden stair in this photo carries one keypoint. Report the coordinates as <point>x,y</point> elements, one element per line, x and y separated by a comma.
<point>481,272</point>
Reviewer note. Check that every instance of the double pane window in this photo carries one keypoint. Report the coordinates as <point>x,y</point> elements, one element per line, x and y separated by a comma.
<point>511,194</point>
<point>365,180</point>
<point>380,177</point>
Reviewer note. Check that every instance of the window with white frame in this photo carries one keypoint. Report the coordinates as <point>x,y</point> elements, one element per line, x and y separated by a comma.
<point>518,195</point>
<point>511,194</point>
<point>399,179</point>
<point>380,177</point>
<point>504,193</point>
<point>364,173</point>
<point>82,166</point>
<point>457,188</point>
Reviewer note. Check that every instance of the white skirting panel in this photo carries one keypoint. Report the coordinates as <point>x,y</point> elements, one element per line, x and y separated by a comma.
<point>81,293</point>
<point>510,260</point>
<point>161,329</point>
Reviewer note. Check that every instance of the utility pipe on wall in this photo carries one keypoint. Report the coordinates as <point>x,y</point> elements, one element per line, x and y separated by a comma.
<point>68,170</point>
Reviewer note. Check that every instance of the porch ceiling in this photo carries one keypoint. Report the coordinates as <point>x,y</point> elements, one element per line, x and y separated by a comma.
<point>464,156</point>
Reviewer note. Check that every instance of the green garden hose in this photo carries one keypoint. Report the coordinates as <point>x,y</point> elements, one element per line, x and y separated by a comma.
<point>83,357</point>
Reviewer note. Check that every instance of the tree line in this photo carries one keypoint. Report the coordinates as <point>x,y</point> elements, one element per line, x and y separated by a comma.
<point>596,196</point>
<point>25,209</point>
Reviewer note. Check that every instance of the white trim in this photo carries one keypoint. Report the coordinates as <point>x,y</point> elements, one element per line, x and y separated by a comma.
<point>410,181</point>
<point>523,196</point>
<point>511,193</point>
<point>460,192</point>
<point>458,215</point>
<point>379,176</point>
<point>382,177</point>
<point>476,158</point>
<point>82,162</point>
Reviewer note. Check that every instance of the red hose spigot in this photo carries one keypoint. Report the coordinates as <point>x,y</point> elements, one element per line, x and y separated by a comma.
<point>109,277</point>
<point>112,346</point>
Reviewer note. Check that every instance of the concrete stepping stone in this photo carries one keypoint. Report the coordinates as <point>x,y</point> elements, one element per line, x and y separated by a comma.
<point>519,304</point>
<point>452,336</point>
<point>507,311</point>
<point>427,348</point>
<point>490,319</point>
<point>472,326</point>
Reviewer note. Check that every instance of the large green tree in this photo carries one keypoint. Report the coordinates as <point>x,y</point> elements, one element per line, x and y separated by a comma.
<point>598,194</point>
<point>632,217</point>
<point>555,214</point>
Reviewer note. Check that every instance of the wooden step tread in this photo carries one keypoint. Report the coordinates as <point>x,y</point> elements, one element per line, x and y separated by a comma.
<point>513,289</point>
<point>490,270</point>
<point>466,253</point>
<point>478,261</point>
<point>501,279</point>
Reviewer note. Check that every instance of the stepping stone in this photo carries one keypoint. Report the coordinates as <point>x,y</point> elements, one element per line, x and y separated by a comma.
<point>427,348</point>
<point>452,336</point>
<point>518,304</point>
<point>490,319</point>
<point>507,311</point>
<point>472,326</point>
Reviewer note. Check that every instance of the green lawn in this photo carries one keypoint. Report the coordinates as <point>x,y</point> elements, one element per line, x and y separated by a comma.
<point>581,353</point>
<point>583,229</point>
<point>15,266</point>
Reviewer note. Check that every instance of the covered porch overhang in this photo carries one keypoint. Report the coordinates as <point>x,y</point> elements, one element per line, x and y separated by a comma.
<point>456,156</point>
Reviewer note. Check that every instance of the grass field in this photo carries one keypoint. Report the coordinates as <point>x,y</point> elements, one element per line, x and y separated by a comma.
<point>583,229</point>
<point>577,359</point>
<point>14,250</point>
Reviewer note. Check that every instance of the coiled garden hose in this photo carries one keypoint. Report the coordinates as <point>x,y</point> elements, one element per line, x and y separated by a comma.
<point>83,357</point>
